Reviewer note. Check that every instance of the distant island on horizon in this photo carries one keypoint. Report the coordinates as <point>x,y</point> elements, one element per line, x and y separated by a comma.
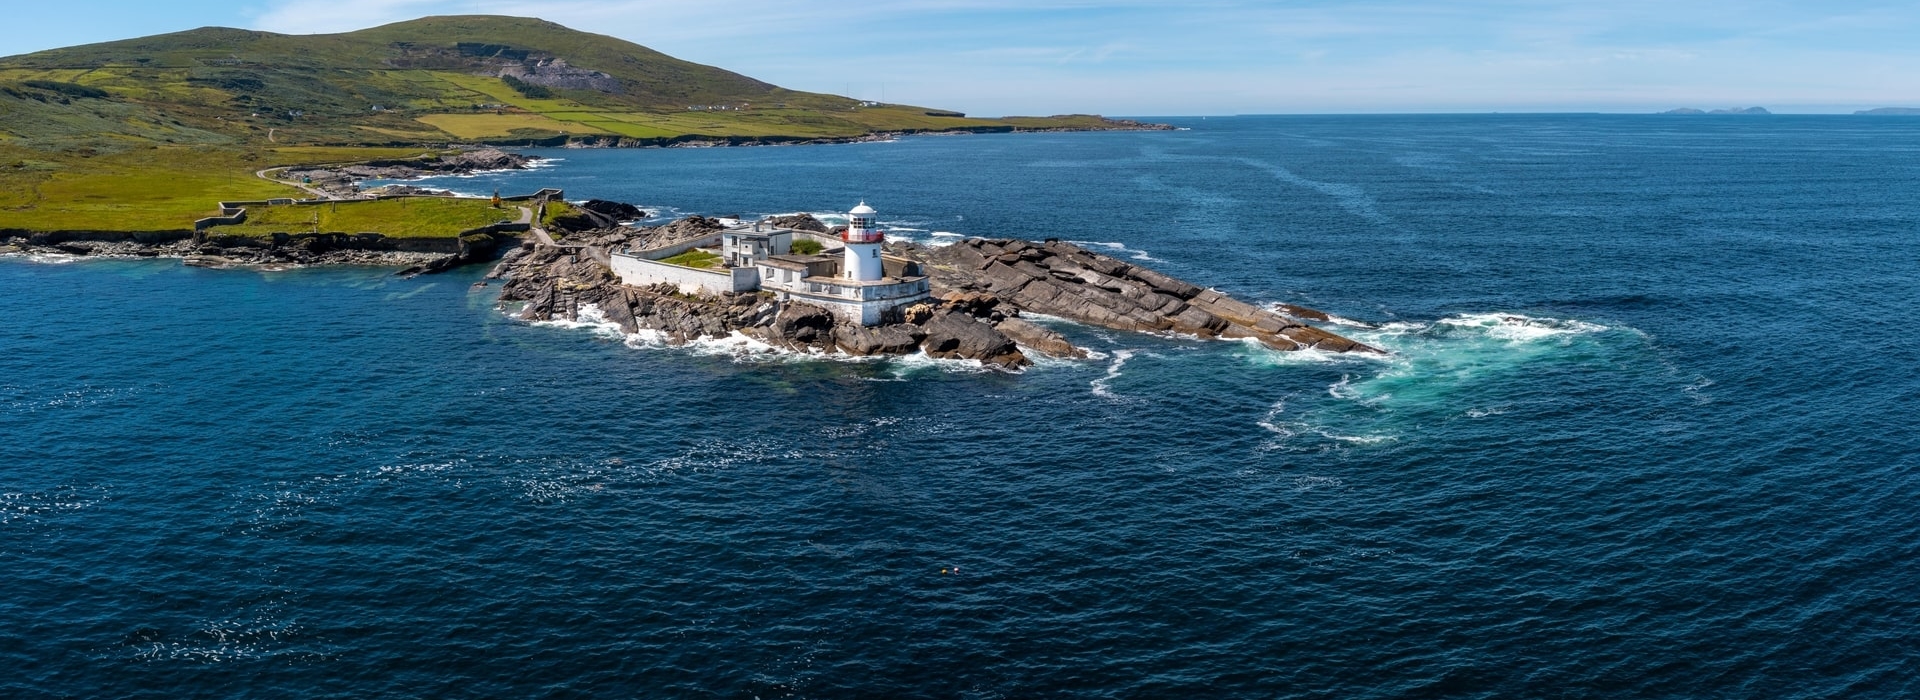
<point>1689,111</point>
<point>1892,111</point>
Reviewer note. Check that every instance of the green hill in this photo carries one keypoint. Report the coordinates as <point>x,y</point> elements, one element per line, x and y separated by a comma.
<point>431,80</point>
<point>147,134</point>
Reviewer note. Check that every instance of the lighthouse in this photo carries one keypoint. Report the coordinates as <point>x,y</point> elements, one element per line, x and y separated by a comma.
<point>863,240</point>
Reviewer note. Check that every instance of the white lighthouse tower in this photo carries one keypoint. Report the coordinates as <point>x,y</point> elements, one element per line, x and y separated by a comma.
<point>863,239</point>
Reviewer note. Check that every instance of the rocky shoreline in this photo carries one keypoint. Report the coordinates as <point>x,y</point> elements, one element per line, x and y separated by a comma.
<point>981,290</point>
<point>204,254</point>
<point>343,181</point>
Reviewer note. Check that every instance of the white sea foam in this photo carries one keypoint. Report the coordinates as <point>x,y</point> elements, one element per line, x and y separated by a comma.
<point>1343,389</point>
<point>1520,328</point>
<point>740,347</point>
<point>1271,421</point>
<point>52,258</point>
<point>1430,366</point>
<point>1332,319</point>
<point>1118,248</point>
<point>1696,390</point>
<point>1102,387</point>
<point>904,364</point>
<point>1303,484</point>
<point>1261,354</point>
<point>1357,439</point>
<point>1286,432</point>
<point>20,506</point>
<point>590,318</point>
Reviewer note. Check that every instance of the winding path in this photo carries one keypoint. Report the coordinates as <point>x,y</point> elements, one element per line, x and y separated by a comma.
<point>315,191</point>
<point>541,236</point>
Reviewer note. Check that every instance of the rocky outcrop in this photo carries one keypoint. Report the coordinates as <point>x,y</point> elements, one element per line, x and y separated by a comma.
<point>597,214</point>
<point>1046,341</point>
<point>344,180</point>
<point>1061,279</point>
<point>555,72</point>
<point>955,335</point>
<point>618,211</point>
<point>981,290</point>
<point>556,283</point>
<point>897,339</point>
<point>277,251</point>
<point>799,222</point>
<point>391,190</point>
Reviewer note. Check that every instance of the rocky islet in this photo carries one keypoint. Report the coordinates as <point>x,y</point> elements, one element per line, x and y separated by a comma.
<point>981,288</point>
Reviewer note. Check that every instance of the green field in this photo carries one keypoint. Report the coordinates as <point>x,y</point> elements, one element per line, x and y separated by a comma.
<point>157,189</point>
<point>146,189</point>
<point>482,126</point>
<point>409,217</point>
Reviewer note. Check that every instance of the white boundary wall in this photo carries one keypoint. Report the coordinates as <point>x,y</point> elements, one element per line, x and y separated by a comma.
<point>640,272</point>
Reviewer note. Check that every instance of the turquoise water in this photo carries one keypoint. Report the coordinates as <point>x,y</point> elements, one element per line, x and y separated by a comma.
<point>1647,430</point>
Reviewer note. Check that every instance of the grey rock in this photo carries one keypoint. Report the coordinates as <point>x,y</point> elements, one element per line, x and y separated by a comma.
<point>897,339</point>
<point>801,326</point>
<point>957,336</point>
<point>1039,338</point>
<point>801,222</point>
<point>1060,279</point>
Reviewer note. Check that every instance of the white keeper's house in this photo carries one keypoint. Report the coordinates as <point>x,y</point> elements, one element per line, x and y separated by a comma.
<point>850,275</point>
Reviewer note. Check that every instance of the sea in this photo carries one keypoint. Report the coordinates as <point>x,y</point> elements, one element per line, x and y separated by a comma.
<point>1648,426</point>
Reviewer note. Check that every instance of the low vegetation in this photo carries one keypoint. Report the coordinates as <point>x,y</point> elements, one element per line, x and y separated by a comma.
<point>406,217</point>
<point>527,89</point>
<point>145,188</point>
<point>806,246</point>
<point>696,257</point>
<point>555,210</point>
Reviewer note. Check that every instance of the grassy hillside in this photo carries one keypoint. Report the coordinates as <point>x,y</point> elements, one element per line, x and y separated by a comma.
<point>147,134</point>
<point>432,80</point>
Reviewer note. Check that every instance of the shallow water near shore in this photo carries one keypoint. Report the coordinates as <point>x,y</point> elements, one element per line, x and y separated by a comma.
<point>1647,429</point>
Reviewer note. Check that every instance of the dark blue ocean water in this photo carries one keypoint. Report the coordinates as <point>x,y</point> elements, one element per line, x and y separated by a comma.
<point>1649,430</point>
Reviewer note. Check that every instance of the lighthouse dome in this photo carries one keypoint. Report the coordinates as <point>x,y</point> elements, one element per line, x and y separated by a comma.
<point>862,210</point>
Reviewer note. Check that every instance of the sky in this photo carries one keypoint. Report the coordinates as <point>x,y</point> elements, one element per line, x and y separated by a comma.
<point>1199,57</point>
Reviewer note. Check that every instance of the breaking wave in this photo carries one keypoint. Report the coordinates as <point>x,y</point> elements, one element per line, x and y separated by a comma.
<point>1454,366</point>
<point>1118,249</point>
<point>741,347</point>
